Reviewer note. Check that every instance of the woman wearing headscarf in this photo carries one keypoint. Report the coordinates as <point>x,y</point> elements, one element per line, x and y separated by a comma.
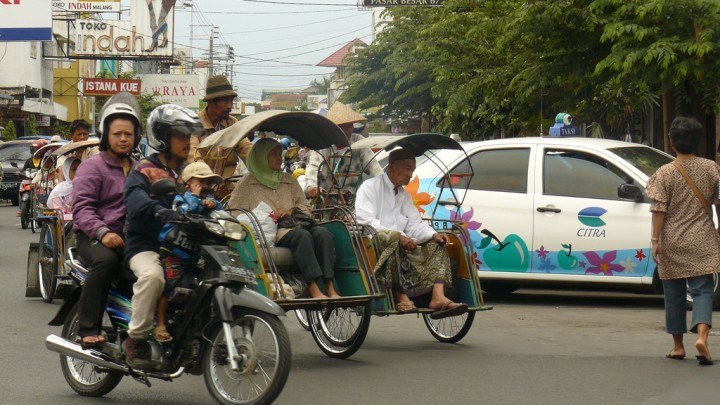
<point>266,182</point>
<point>685,243</point>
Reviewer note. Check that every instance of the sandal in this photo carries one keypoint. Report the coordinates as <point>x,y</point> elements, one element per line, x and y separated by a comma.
<point>406,307</point>
<point>161,335</point>
<point>448,309</point>
<point>92,341</point>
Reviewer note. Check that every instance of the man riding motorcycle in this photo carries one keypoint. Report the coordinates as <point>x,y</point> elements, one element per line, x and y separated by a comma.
<point>169,128</point>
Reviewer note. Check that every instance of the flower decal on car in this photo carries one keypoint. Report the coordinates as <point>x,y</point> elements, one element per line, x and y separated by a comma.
<point>419,199</point>
<point>602,265</point>
<point>466,222</point>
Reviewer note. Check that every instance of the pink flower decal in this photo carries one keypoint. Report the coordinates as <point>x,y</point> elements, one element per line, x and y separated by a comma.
<point>477,261</point>
<point>466,221</point>
<point>542,253</point>
<point>603,266</point>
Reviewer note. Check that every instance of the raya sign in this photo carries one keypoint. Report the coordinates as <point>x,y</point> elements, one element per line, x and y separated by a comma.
<point>108,87</point>
<point>25,20</point>
<point>148,34</point>
<point>182,90</point>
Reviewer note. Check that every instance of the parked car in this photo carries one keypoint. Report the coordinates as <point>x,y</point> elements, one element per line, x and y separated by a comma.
<point>551,211</point>
<point>13,155</point>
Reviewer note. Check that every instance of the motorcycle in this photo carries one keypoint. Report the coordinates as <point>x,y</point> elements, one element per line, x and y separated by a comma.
<point>221,328</point>
<point>24,197</point>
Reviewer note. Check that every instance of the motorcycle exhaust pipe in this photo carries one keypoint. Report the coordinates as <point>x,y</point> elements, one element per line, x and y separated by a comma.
<point>67,348</point>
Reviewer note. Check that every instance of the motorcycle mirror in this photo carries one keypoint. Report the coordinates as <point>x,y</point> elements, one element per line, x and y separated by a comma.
<point>13,164</point>
<point>162,186</point>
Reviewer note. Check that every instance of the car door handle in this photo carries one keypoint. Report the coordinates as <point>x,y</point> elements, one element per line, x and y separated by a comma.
<point>548,209</point>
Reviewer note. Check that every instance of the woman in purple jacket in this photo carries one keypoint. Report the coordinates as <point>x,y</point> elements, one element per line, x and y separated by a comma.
<point>99,211</point>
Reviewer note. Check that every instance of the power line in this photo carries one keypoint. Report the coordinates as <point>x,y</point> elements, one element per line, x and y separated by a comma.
<point>275,12</point>
<point>295,4</point>
<point>364,27</point>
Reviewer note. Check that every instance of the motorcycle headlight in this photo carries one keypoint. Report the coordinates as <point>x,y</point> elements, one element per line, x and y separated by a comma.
<point>233,230</point>
<point>215,228</point>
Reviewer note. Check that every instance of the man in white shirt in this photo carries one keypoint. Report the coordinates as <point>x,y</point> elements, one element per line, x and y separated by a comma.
<point>418,263</point>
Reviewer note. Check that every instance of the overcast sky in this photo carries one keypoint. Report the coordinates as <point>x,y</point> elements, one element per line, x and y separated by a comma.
<point>277,42</point>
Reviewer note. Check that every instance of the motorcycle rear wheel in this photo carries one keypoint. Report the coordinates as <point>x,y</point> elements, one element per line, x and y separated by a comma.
<point>83,377</point>
<point>24,213</point>
<point>263,342</point>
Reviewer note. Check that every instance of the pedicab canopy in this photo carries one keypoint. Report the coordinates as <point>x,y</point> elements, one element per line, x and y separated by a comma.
<point>309,129</point>
<point>47,148</point>
<point>417,143</point>
<point>73,146</point>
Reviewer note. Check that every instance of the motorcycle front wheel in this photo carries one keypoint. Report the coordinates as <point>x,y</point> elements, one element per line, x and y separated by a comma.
<point>83,377</point>
<point>263,346</point>
<point>24,214</point>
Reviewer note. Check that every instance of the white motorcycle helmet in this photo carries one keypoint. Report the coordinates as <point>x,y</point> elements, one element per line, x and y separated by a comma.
<point>121,104</point>
<point>171,119</point>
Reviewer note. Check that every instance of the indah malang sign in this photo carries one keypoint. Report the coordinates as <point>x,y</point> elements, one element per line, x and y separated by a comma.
<point>148,34</point>
<point>393,3</point>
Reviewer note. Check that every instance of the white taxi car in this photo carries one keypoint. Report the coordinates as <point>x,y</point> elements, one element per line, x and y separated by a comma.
<point>560,211</point>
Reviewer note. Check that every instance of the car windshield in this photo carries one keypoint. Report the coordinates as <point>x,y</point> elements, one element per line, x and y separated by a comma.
<point>16,152</point>
<point>648,160</point>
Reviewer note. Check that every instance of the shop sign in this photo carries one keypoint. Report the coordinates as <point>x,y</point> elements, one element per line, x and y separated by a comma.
<point>108,87</point>
<point>183,90</point>
<point>87,6</point>
<point>25,20</point>
<point>394,3</point>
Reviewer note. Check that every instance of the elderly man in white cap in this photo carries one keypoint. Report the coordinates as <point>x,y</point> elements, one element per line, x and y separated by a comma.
<point>347,167</point>
<point>414,261</point>
<point>219,95</point>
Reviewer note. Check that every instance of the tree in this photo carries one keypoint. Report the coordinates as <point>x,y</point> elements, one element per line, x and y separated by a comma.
<point>322,85</point>
<point>9,131</point>
<point>391,74</point>
<point>31,128</point>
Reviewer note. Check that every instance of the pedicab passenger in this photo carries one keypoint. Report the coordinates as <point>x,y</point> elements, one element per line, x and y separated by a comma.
<point>169,128</point>
<point>267,182</point>
<point>179,264</point>
<point>61,196</point>
<point>99,214</point>
<point>413,260</point>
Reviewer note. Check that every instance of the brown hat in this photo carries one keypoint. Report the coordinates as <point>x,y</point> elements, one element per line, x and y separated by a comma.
<point>200,170</point>
<point>400,154</point>
<point>218,86</point>
<point>341,114</point>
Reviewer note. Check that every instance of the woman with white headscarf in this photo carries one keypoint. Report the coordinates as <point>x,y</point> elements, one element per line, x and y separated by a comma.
<point>60,197</point>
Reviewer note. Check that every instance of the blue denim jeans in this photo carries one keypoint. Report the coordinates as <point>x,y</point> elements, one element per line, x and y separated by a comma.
<point>701,290</point>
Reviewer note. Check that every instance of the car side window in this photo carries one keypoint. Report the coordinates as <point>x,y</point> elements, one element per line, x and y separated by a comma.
<point>571,173</point>
<point>503,170</point>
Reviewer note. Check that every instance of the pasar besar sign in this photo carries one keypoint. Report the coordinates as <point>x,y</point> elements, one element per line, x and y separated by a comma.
<point>108,87</point>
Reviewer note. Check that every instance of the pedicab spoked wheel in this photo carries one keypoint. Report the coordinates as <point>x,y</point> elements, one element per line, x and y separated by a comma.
<point>339,332</point>
<point>84,378</point>
<point>48,262</point>
<point>264,347</point>
<point>33,212</point>
<point>451,329</point>
<point>303,318</point>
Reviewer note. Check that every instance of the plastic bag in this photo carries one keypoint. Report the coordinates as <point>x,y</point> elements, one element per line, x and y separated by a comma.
<point>268,223</point>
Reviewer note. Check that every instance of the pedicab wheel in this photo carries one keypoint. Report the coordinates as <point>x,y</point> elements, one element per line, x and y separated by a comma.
<point>303,318</point>
<point>84,378</point>
<point>264,347</point>
<point>340,332</point>
<point>48,262</point>
<point>451,329</point>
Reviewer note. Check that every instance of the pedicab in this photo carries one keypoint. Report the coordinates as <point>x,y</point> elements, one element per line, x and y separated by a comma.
<point>339,325</point>
<point>42,183</point>
<point>55,236</point>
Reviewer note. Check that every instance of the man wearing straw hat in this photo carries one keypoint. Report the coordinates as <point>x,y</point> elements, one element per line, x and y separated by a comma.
<point>347,167</point>
<point>219,96</point>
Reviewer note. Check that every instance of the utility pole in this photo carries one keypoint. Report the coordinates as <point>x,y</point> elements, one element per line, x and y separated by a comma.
<point>211,55</point>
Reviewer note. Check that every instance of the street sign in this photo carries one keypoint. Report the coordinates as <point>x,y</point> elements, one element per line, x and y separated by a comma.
<point>394,3</point>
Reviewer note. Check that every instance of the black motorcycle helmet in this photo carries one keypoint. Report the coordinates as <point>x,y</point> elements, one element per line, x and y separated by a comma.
<point>171,119</point>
